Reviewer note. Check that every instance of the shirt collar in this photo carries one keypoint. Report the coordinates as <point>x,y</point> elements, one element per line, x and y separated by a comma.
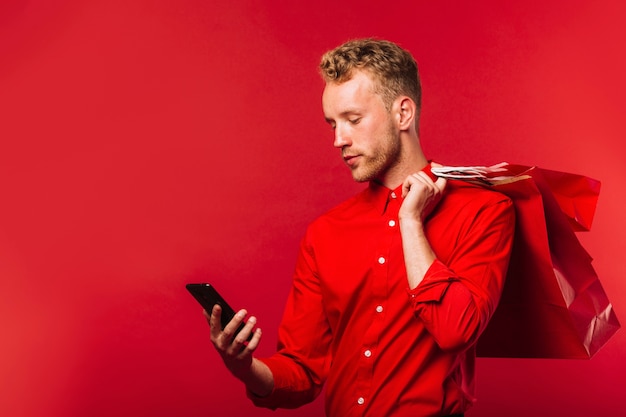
<point>379,196</point>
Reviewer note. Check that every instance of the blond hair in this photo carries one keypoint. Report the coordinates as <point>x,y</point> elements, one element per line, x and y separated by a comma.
<point>394,69</point>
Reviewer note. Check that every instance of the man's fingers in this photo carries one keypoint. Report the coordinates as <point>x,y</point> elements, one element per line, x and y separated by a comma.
<point>240,340</point>
<point>421,178</point>
<point>215,319</point>
<point>254,342</point>
<point>441,184</point>
<point>425,178</point>
<point>228,333</point>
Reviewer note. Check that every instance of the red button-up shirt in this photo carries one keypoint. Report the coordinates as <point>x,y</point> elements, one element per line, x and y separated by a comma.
<point>352,322</point>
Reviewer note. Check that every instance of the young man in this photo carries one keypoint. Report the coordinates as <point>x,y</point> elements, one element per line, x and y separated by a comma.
<point>393,287</point>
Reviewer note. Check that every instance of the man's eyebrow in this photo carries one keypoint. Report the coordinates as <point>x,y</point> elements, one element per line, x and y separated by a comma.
<point>347,112</point>
<point>351,111</point>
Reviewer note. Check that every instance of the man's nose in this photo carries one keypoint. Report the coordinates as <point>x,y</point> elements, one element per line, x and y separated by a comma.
<point>341,137</point>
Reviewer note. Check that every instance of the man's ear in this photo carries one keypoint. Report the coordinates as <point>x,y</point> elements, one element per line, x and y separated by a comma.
<point>406,112</point>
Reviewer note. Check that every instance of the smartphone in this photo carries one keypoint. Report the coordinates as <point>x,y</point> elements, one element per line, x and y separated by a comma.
<point>208,296</point>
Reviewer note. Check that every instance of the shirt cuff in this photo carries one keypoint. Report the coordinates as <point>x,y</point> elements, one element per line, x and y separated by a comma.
<point>265,402</point>
<point>433,287</point>
<point>287,386</point>
<point>268,401</point>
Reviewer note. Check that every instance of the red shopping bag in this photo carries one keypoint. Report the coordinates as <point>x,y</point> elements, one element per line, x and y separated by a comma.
<point>553,304</point>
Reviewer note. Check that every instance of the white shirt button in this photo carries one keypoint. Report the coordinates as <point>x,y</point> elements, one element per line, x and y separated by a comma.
<point>379,309</point>
<point>392,223</point>
<point>393,194</point>
<point>367,353</point>
<point>381,260</point>
<point>360,401</point>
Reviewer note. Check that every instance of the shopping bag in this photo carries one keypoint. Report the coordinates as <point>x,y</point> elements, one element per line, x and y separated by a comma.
<point>553,304</point>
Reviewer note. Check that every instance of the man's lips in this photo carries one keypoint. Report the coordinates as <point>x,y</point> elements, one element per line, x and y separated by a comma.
<point>350,159</point>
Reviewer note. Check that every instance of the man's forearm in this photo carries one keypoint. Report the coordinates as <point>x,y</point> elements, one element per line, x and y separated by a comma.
<point>418,255</point>
<point>258,379</point>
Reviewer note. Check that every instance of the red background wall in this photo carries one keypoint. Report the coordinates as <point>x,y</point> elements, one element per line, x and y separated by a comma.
<point>147,144</point>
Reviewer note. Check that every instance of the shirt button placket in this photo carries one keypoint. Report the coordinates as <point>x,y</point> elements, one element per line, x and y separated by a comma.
<point>381,276</point>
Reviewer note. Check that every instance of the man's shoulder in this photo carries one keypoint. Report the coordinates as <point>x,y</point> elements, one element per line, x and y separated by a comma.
<point>355,202</point>
<point>471,200</point>
<point>473,193</point>
<point>466,206</point>
<point>344,211</point>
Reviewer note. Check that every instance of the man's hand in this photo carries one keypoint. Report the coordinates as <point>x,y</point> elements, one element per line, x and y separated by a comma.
<point>235,350</point>
<point>421,195</point>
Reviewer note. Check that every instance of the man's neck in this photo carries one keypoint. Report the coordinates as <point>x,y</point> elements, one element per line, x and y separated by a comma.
<point>410,163</point>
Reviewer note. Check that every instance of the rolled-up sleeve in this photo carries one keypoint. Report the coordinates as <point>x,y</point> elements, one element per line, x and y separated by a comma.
<point>458,296</point>
<point>302,361</point>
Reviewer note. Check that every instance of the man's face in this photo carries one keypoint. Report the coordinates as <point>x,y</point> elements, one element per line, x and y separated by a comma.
<point>364,129</point>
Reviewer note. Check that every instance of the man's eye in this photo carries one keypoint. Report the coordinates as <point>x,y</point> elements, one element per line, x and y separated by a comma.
<point>355,121</point>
